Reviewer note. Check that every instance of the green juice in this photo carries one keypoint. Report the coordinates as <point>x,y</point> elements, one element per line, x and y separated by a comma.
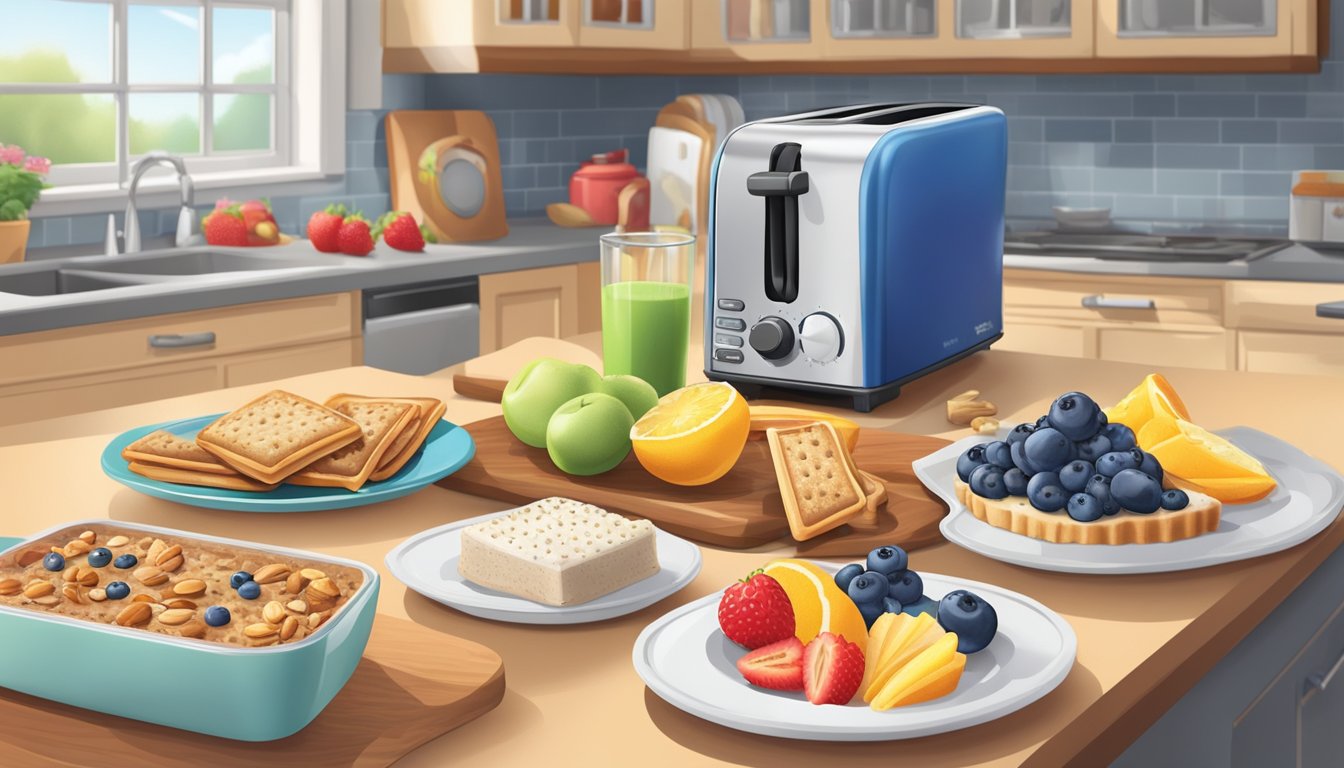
<point>645,330</point>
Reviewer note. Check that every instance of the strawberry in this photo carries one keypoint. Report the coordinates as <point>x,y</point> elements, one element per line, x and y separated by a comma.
<point>324,228</point>
<point>756,611</point>
<point>261,226</point>
<point>225,226</point>
<point>832,669</point>
<point>778,666</point>
<point>399,230</point>
<point>354,238</point>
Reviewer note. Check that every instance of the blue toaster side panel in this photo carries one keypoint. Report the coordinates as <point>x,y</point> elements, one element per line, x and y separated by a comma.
<point>931,224</point>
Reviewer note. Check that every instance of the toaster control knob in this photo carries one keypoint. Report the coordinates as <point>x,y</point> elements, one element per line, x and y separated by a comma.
<point>772,337</point>
<point>820,338</point>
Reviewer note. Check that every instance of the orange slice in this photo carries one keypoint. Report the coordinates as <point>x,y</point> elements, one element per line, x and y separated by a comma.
<point>1199,460</point>
<point>1154,396</point>
<point>694,435</point>
<point>818,604</point>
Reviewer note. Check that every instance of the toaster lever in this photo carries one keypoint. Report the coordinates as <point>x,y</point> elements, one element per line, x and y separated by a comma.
<point>777,183</point>
<point>781,187</point>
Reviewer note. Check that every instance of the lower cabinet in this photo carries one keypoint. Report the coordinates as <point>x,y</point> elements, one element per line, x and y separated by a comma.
<point>1290,353</point>
<point>550,301</point>
<point>1044,338</point>
<point>1159,346</point>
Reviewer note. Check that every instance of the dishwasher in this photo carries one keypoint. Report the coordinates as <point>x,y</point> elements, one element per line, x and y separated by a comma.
<point>423,327</point>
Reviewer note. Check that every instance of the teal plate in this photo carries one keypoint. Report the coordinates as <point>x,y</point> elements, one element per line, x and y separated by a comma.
<point>446,449</point>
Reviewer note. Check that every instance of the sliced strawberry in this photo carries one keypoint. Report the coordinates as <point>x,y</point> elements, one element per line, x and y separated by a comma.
<point>778,666</point>
<point>832,669</point>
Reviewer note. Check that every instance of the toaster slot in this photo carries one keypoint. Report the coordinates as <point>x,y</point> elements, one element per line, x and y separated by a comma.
<point>904,113</point>
<point>781,186</point>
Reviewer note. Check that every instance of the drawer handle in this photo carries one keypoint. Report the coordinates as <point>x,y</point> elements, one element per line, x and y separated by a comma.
<point>179,340</point>
<point>1097,301</point>
<point>1333,310</point>
<point>1320,681</point>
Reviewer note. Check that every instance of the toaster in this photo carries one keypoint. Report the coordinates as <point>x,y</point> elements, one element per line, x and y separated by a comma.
<point>853,250</point>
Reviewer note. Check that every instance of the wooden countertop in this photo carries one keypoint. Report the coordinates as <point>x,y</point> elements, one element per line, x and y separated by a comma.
<point>573,695</point>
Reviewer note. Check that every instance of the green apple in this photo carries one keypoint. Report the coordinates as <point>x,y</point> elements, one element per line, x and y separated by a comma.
<point>534,393</point>
<point>589,434</point>
<point>638,395</point>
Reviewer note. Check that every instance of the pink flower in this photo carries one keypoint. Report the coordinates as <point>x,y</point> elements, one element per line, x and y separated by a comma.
<point>12,154</point>
<point>39,165</point>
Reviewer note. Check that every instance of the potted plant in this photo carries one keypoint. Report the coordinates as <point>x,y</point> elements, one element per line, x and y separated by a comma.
<point>20,185</point>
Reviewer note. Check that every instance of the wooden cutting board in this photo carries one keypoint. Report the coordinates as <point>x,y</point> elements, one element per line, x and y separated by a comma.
<point>741,510</point>
<point>414,685</point>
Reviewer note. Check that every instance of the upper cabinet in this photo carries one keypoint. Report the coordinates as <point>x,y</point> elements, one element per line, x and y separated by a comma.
<point>959,29</point>
<point>758,30</point>
<point>658,24</point>
<point>1202,28</point>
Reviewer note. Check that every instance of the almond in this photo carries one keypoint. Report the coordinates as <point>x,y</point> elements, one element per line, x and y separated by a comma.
<point>269,574</point>
<point>48,601</point>
<point>155,549</point>
<point>315,619</point>
<point>312,574</point>
<point>175,616</point>
<point>71,574</point>
<point>180,603</point>
<point>171,564</point>
<point>134,615</point>
<point>149,575</point>
<point>143,599</point>
<point>118,541</point>
<point>189,588</point>
<point>290,626</point>
<point>157,608</point>
<point>76,548</point>
<point>193,628</point>
<point>263,641</point>
<point>297,606</point>
<point>145,542</point>
<point>259,631</point>
<point>88,537</point>
<point>273,613</point>
<point>71,593</point>
<point>28,557</point>
<point>325,587</point>
<point>38,589</point>
<point>83,576</point>
<point>296,583</point>
<point>10,587</point>
<point>168,554</point>
<point>98,595</point>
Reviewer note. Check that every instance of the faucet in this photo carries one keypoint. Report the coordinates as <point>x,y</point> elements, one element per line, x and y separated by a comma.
<point>187,230</point>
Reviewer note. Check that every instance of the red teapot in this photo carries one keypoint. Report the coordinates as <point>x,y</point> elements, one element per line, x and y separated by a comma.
<point>596,186</point>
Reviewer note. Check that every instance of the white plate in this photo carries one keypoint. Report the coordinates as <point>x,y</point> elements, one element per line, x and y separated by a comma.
<point>427,563</point>
<point>685,658</point>
<point>1307,500</point>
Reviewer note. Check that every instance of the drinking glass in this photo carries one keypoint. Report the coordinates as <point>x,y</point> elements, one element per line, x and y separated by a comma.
<point>646,306</point>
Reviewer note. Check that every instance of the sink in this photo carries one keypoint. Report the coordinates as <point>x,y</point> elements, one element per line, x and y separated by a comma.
<point>191,264</point>
<point>55,282</point>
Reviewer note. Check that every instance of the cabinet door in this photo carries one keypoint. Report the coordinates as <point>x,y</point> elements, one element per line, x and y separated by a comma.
<point>1189,349</point>
<point>33,401</point>
<point>759,30</point>
<point>1205,28</point>
<point>534,302</point>
<point>521,23</point>
<point>1306,353</point>
<point>296,361</point>
<point>1060,339</point>
<point>635,24</point>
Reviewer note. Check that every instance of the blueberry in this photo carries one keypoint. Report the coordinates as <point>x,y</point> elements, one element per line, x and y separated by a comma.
<point>906,587</point>
<point>987,482</point>
<point>1048,449</point>
<point>1085,507</point>
<point>1175,499</point>
<point>1112,463</point>
<point>890,605</point>
<point>871,612</point>
<point>1136,491</point>
<point>968,461</point>
<point>1015,481</point>
<point>1121,437</point>
<point>217,616</point>
<point>117,590</point>
<point>1020,433</point>
<point>968,615</point>
<point>1150,466</point>
<point>888,560</point>
<point>100,557</point>
<point>842,576</point>
<point>1102,420</point>
<point>54,562</point>
<point>239,578</point>
<point>125,562</point>
<point>1047,497</point>
<point>1043,422</point>
<point>251,590</point>
<point>1020,458</point>
<point>1099,487</point>
<point>998,454</point>
<point>1074,415</point>
<point>924,604</point>
<point>1074,476</point>
<point>1042,479</point>
<point>1094,447</point>
<point>867,588</point>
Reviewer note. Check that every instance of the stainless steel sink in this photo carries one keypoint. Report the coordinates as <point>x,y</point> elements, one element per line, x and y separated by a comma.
<point>56,282</point>
<point>192,264</point>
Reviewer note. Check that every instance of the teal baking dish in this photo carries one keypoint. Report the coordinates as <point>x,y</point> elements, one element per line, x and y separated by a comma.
<point>248,694</point>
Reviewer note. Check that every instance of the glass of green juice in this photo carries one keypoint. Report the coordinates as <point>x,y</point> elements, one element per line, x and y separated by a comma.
<point>646,306</point>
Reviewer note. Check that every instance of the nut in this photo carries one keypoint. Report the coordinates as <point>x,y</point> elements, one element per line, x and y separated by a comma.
<point>49,600</point>
<point>88,537</point>
<point>79,575</point>
<point>171,564</point>
<point>259,631</point>
<point>325,587</point>
<point>966,406</point>
<point>264,641</point>
<point>28,557</point>
<point>149,575</point>
<point>194,629</point>
<point>143,599</point>
<point>296,583</point>
<point>155,549</point>
<point>134,615</point>
<point>175,616</point>
<point>297,606</point>
<point>312,574</point>
<point>189,588</point>
<point>118,541</point>
<point>10,587</point>
<point>269,574</point>
<point>273,613</point>
<point>985,425</point>
<point>180,602</point>
<point>145,542</point>
<point>157,608</point>
<point>76,548</point>
<point>36,589</point>
<point>98,594</point>
<point>290,626</point>
<point>71,593</point>
<point>315,619</point>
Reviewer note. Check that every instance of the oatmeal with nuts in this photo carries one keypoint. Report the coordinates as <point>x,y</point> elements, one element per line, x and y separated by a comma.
<point>181,586</point>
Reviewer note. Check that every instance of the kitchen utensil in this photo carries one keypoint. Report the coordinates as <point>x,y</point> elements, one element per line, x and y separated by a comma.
<point>567,215</point>
<point>249,694</point>
<point>447,448</point>
<point>686,660</point>
<point>647,279</point>
<point>427,563</point>
<point>1308,499</point>
<point>1317,212</point>
<point>413,685</point>
<point>443,168</point>
<point>674,165</point>
<point>596,186</point>
<point>828,272</point>
<point>739,511</point>
<point>632,207</point>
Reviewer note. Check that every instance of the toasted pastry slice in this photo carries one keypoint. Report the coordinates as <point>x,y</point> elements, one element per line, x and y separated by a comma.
<point>430,411</point>
<point>819,488</point>
<point>276,435</point>
<point>874,492</point>
<point>164,449</point>
<point>1016,514</point>
<point>350,466</point>
<point>232,481</point>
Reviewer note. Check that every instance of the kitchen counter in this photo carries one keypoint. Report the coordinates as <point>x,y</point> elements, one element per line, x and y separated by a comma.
<point>573,695</point>
<point>531,243</point>
<point>1296,263</point>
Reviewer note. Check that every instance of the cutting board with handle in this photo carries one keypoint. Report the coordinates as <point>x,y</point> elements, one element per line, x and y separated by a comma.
<point>741,510</point>
<point>414,685</point>
<point>485,377</point>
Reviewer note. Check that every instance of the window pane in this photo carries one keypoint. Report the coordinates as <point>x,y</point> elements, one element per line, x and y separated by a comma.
<point>242,122</point>
<point>48,41</point>
<point>167,121</point>
<point>163,44</point>
<point>67,127</point>
<point>244,45</point>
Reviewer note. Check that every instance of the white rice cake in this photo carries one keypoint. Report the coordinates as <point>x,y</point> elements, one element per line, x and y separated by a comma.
<point>558,551</point>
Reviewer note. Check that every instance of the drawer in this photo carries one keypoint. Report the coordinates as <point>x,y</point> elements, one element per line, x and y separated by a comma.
<point>125,344</point>
<point>1306,353</point>
<point>33,401</point>
<point>1271,306</point>
<point>1108,299</point>
<point>284,363</point>
<point>1044,338</point>
<point>1159,348</point>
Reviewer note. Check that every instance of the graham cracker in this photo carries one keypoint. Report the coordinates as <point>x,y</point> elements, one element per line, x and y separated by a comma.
<point>350,466</point>
<point>276,435</point>
<point>430,411</point>
<point>819,489</point>
<point>164,449</point>
<point>232,481</point>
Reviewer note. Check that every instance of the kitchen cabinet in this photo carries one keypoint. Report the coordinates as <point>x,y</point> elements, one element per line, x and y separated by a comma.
<point>975,29</point>
<point>758,30</point>
<point>646,24</point>
<point>428,36</point>
<point>70,370</point>
<point>1196,28</point>
<point>551,301</point>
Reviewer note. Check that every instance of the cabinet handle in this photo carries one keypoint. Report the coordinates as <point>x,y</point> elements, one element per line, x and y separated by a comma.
<point>1322,681</point>
<point>179,340</point>
<point>1333,310</point>
<point>1097,301</point>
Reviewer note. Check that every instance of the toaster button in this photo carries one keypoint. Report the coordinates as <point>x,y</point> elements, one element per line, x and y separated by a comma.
<point>728,339</point>
<point>732,305</point>
<point>730,323</point>
<point>728,355</point>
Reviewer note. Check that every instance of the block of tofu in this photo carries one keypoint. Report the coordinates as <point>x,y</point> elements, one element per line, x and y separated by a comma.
<point>559,552</point>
